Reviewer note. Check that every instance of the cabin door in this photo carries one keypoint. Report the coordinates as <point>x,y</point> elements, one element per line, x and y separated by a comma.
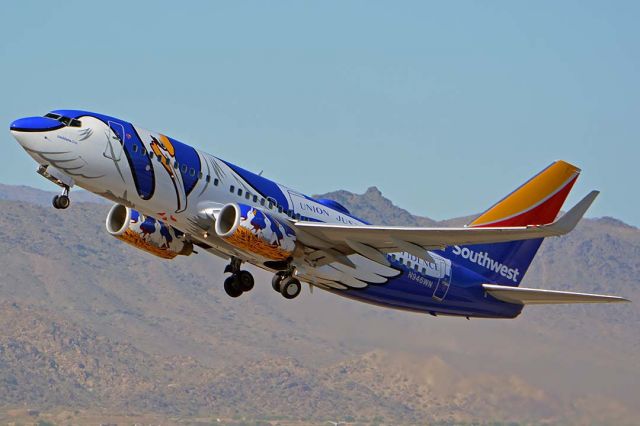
<point>442,285</point>
<point>115,141</point>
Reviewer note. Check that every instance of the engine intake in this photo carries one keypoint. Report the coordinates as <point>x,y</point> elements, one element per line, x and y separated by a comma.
<point>251,229</point>
<point>146,233</point>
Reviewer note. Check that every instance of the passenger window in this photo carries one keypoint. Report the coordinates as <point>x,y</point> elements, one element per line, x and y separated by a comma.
<point>240,191</point>
<point>247,195</point>
<point>279,209</point>
<point>216,181</point>
<point>200,176</point>
<point>232,189</point>
<point>409,264</point>
<point>415,266</point>
<point>175,164</point>
<point>184,168</point>
<point>135,147</point>
<point>192,172</point>
<point>262,201</point>
<point>255,198</point>
<point>270,205</point>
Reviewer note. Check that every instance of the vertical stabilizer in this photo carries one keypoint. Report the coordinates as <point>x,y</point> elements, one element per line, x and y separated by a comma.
<point>537,202</point>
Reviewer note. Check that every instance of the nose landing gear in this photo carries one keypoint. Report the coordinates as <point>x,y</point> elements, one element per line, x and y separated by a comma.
<point>62,201</point>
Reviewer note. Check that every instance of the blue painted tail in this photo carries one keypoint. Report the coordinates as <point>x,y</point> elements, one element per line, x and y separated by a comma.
<point>537,202</point>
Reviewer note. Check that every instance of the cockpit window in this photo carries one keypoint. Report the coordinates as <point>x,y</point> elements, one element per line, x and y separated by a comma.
<point>72,122</point>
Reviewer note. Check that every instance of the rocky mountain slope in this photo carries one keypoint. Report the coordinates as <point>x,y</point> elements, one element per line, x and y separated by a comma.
<point>90,323</point>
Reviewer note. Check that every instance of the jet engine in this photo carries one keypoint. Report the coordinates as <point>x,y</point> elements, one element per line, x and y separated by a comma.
<point>146,233</point>
<point>253,230</point>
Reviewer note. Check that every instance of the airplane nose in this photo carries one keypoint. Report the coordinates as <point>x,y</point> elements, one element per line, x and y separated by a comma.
<point>35,124</point>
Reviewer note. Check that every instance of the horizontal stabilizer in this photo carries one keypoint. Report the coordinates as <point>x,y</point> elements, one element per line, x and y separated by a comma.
<point>532,296</point>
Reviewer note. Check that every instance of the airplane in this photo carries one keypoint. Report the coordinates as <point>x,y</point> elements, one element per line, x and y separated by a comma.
<point>171,198</point>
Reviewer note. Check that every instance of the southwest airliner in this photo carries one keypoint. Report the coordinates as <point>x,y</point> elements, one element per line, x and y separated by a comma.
<point>170,197</point>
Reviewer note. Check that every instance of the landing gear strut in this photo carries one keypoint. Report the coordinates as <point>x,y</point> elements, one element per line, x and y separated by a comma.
<point>62,201</point>
<point>284,283</point>
<point>239,281</point>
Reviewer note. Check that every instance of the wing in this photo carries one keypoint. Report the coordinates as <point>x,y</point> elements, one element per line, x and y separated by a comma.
<point>373,241</point>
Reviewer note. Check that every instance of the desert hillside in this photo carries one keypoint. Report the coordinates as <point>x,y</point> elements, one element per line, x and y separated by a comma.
<point>91,325</point>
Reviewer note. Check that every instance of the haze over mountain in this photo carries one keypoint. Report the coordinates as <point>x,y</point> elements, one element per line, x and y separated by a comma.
<point>91,324</point>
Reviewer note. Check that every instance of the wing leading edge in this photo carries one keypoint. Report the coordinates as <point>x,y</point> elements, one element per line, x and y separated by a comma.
<point>390,238</point>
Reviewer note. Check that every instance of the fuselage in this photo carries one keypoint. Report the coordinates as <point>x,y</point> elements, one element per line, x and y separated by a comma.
<point>181,186</point>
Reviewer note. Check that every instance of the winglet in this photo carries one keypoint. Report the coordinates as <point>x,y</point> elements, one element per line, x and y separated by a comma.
<point>570,219</point>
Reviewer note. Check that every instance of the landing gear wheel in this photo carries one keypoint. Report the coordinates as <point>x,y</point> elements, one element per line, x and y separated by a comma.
<point>61,201</point>
<point>245,280</point>
<point>232,287</point>
<point>290,287</point>
<point>276,280</point>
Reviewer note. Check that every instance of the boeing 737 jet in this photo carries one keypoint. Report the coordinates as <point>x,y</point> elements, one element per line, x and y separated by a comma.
<point>170,197</point>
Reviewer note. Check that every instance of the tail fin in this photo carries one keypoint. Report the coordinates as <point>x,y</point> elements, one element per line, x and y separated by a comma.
<point>537,202</point>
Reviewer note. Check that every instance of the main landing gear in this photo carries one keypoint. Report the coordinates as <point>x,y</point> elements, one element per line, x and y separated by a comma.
<point>242,281</point>
<point>62,201</point>
<point>239,281</point>
<point>285,284</point>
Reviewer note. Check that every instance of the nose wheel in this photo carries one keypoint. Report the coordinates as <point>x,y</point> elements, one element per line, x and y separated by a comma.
<point>62,201</point>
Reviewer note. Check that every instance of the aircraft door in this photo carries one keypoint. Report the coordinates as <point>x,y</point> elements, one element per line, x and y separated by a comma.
<point>442,285</point>
<point>115,141</point>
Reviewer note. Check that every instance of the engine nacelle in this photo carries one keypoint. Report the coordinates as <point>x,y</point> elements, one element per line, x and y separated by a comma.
<point>255,231</point>
<point>146,233</point>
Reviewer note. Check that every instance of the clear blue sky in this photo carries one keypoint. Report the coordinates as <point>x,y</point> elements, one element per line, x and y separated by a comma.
<point>444,106</point>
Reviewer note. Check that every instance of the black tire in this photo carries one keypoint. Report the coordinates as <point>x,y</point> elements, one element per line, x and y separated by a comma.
<point>245,280</point>
<point>64,201</point>
<point>61,201</point>
<point>290,288</point>
<point>276,280</point>
<point>231,287</point>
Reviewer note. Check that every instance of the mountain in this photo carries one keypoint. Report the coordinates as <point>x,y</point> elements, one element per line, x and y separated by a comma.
<point>94,330</point>
<point>599,256</point>
<point>43,198</point>
<point>375,208</point>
